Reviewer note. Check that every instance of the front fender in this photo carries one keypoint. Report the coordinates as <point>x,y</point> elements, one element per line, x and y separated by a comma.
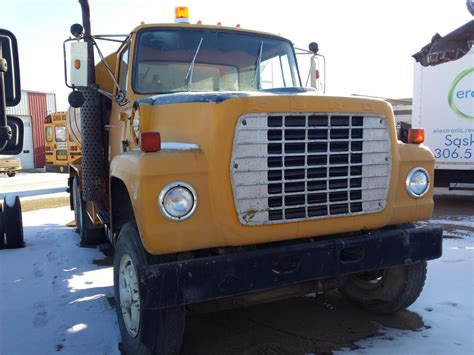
<point>405,208</point>
<point>145,175</point>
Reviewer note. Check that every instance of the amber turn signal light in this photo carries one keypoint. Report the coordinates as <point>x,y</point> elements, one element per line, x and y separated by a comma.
<point>416,135</point>
<point>150,141</point>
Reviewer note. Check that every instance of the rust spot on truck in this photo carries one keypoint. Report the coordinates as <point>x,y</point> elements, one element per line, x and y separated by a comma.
<point>249,215</point>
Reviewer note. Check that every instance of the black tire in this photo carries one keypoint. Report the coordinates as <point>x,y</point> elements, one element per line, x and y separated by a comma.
<point>90,233</point>
<point>11,173</point>
<point>386,291</point>
<point>159,331</point>
<point>13,222</point>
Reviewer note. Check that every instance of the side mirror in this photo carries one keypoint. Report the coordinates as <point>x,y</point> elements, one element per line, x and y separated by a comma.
<point>14,146</point>
<point>317,71</point>
<point>10,67</point>
<point>78,63</point>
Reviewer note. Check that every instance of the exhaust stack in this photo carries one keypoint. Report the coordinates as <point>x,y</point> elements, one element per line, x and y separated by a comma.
<point>92,126</point>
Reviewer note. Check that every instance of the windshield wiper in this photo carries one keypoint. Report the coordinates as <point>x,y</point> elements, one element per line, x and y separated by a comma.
<point>257,66</point>
<point>188,79</point>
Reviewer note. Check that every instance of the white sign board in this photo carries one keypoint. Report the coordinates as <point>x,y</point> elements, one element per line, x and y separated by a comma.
<point>443,104</point>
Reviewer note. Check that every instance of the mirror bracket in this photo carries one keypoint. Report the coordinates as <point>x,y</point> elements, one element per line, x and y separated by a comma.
<point>75,98</point>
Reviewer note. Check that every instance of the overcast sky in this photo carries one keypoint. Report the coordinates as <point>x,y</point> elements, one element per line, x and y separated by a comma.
<point>367,43</point>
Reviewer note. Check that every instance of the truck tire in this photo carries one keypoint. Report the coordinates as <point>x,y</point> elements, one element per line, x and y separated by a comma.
<point>143,331</point>
<point>386,291</point>
<point>11,173</point>
<point>13,222</point>
<point>90,233</point>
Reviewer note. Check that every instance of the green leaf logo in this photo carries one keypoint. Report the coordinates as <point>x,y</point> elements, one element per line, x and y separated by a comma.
<point>452,92</point>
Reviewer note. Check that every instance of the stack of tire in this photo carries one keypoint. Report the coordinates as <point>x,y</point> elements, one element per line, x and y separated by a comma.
<point>11,223</point>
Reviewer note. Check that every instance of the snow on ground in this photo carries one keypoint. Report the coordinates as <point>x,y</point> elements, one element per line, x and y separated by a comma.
<point>33,183</point>
<point>440,191</point>
<point>446,306</point>
<point>52,297</point>
<point>467,222</point>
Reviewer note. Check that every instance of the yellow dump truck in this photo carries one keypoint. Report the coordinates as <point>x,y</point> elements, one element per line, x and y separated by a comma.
<point>218,179</point>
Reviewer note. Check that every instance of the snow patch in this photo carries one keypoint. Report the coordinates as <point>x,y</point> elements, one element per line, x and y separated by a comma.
<point>446,306</point>
<point>88,298</point>
<point>91,279</point>
<point>53,297</point>
<point>77,328</point>
<point>466,222</point>
<point>53,293</point>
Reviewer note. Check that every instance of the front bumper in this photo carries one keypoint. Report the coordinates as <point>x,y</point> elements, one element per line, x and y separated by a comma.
<point>284,264</point>
<point>4,169</point>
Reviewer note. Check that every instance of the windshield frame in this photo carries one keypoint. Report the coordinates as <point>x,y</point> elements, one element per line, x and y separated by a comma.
<point>133,69</point>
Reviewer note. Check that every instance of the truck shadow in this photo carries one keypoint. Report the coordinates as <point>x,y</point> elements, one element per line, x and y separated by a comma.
<point>316,324</point>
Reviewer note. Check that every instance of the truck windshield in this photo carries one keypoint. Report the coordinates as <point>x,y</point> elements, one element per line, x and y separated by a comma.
<point>225,61</point>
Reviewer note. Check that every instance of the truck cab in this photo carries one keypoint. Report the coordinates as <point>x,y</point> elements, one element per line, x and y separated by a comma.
<point>221,180</point>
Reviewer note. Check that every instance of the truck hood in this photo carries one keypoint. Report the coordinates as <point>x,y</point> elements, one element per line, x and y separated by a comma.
<point>216,97</point>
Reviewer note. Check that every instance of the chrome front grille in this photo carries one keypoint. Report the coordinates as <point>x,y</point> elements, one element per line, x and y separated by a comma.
<point>301,166</point>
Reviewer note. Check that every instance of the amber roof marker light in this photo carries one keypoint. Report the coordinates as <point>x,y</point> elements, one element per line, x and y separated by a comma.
<point>181,14</point>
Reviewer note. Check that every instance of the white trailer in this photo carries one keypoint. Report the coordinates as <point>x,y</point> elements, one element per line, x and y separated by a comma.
<point>443,104</point>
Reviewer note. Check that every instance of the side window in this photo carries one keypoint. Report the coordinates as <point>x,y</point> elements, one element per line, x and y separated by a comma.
<point>271,73</point>
<point>61,154</point>
<point>286,70</point>
<point>123,70</point>
<point>60,133</point>
<point>49,134</point>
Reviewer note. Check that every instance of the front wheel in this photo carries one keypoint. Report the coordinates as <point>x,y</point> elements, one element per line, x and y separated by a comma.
<point>11,173</point>
<point>143,331</point>
<point>388,290</point>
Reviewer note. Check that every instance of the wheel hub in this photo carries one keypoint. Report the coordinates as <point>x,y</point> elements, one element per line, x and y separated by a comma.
<point>129,295</point>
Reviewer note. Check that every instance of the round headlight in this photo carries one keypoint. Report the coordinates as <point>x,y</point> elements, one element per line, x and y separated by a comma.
<point>177,201</point>
<point>418,182</point>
